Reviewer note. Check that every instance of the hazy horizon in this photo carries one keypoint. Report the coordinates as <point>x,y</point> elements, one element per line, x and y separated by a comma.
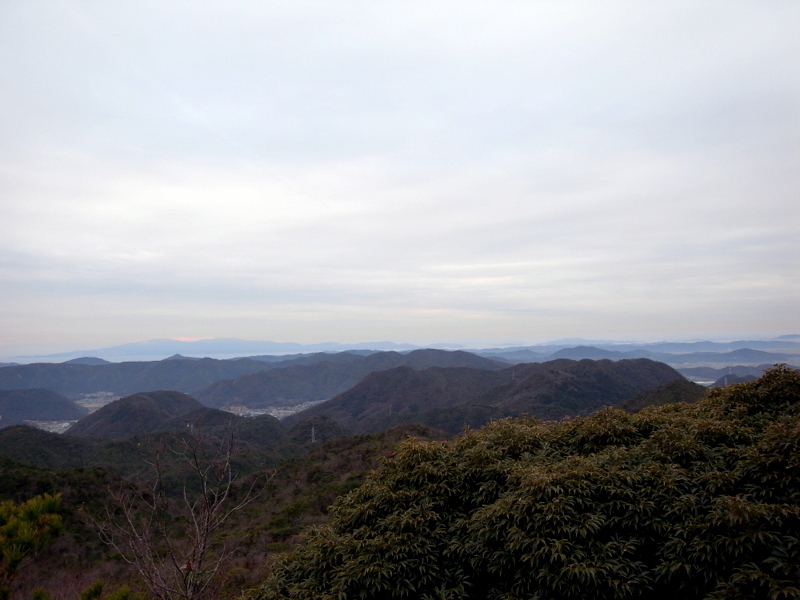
<point>191,349</point>
<point>470,173</point>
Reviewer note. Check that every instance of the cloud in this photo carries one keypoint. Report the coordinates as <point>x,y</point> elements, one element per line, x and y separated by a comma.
<point>416,171</point>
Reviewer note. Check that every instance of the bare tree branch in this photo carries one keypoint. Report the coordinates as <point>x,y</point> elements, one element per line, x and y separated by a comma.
<point>174,544</point>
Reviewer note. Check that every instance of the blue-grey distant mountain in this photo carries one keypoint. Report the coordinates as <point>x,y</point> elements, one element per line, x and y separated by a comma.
<point>590,352</point>
<point>712,374</point>
<point>181,357</point>
<point>739,356</point>
<point>219,347</point>
<point>87,360</point>
<point>127,377</point>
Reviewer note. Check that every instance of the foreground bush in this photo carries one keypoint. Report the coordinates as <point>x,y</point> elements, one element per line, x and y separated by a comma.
<point>677,501</point>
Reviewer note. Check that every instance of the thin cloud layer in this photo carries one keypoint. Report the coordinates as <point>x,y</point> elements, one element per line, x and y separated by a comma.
<point>411,171</point>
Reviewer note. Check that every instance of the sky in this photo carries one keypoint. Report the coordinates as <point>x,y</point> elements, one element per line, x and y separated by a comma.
<point>423,172</point>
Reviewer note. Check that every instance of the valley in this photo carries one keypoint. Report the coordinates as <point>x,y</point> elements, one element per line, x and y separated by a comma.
<point>310,428</point>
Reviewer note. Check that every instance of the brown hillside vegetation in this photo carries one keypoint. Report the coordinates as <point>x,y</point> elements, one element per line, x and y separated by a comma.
<point>690,501</point>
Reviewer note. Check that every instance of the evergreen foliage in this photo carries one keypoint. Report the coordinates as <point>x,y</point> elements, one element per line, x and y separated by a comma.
<point>24,528</point>
<point>677,501</point>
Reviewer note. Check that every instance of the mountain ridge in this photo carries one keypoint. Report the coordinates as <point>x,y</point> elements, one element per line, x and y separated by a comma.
<point>553,390</point>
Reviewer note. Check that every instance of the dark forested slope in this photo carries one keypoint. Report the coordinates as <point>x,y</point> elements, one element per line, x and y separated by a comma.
<point>383,398</point>
<point>17,406</point>
<point>551,390</point>
<point>135,414</point>
<point>563,388</point>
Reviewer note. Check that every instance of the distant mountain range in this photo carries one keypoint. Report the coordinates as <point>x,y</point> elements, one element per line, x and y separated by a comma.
<point>676,356</point>
<point>307,380</point>
<point>267,381</point>
<point>297,379</point>
<point>378,395</point>
<point>158,349</point>
<point>216,347</point>
<point>125,378</point>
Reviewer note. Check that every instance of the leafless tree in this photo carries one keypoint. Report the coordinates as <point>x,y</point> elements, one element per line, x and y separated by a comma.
<point>175,543</point>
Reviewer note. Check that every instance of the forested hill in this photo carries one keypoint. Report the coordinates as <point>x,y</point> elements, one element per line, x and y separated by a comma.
<point>563,388</point>
<point>551,390</point>
<point>136,414</point>
<point>403,394</point>
<point>691,501</point>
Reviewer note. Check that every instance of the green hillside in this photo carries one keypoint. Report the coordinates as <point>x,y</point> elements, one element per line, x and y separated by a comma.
<point>691,501</point>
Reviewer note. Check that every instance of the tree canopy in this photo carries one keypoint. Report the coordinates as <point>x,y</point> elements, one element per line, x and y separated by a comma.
<point>678,501</point>
<point>24,528</point>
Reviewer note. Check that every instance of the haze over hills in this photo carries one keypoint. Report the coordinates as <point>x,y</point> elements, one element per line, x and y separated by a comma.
<point>264,382</point>
<point>326,376</point>
<point>125,378</point>
<point>676,357</point>
<point>191,376</point>
<point>158,349</point>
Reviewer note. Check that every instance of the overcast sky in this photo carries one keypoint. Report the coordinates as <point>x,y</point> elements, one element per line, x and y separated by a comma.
<point>477,172</point>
